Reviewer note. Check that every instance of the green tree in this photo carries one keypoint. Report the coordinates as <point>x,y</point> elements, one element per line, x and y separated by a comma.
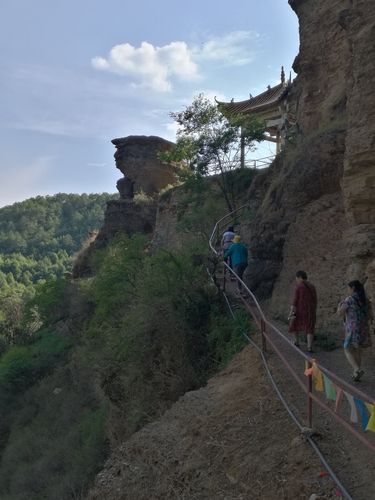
<point>209,142</point>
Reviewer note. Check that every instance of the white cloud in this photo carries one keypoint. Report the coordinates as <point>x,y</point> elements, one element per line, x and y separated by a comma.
<point>232,48</point>
<point>155,67</point>
<point>51,127</point>
<point>151,66</point>
<point>93,164</point>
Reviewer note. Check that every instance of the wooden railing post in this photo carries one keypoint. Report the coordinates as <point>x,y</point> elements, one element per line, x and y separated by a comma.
<point>262,331</point>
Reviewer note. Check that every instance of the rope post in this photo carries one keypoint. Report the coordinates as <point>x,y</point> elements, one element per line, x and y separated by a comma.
<point>262,331</point>
<point>309,391</point>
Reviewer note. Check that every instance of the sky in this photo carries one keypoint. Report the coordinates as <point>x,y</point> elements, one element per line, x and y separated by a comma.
<point>75,74</point>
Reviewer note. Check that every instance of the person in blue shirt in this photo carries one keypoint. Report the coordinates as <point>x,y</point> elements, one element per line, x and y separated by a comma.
<point>238,256</point>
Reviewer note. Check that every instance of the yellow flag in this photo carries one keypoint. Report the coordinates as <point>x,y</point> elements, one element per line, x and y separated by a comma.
<point>371,422</point>
<point>318,378</point>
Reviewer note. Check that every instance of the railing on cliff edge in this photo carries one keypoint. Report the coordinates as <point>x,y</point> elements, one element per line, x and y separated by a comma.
<point>269,331</point>
<point>260,162</point>
<point>250,163</point>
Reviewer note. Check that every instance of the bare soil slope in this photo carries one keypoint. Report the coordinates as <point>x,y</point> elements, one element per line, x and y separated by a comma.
<point>229,440</point>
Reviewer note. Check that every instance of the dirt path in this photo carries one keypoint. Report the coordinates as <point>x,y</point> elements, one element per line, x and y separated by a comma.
<point>230,440</point>
<point>351,460</point>
<point>233,440</point>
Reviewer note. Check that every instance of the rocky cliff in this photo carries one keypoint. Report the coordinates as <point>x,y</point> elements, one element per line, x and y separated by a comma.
<point>318,206</point>
<point>137,158</point>
<point>135,212</point>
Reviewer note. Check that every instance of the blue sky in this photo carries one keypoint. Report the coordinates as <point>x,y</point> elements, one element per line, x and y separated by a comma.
<point>75,74</point>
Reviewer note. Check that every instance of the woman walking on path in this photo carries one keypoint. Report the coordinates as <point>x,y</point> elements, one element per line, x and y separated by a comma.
<point>357,313</point>
<point>302,315</point>
<point>237,253</point>
<point>226,242</point>
<point>227,238</point>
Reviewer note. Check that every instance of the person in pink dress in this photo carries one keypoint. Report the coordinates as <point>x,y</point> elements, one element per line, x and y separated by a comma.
<point>302,315</point>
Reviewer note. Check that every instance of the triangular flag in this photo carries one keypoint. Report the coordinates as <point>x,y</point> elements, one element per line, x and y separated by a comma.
<point>369,407</point>
<point>308,368</point>
<point>339,393</point>
<point>330,390</point>
<point>363,412</point>
<point>371,422</point>
<point>318,378</point>
<point>353,410</point>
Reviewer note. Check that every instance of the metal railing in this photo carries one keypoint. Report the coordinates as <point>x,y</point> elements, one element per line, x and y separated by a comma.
<point>269,331</point>
<point>260,162</point>
<point>254,163</point>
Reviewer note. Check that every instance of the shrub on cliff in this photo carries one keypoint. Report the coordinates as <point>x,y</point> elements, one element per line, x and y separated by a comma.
<point>153,318</point>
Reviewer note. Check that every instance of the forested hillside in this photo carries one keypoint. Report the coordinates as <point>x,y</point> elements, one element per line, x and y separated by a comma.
<point>93,360</point>
<point>38,238</point>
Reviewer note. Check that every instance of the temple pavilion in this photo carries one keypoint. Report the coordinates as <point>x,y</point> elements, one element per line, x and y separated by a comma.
<point>272,106</point>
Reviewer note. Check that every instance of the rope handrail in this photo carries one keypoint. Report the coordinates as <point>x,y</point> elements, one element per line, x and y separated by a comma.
<point>264,324</point>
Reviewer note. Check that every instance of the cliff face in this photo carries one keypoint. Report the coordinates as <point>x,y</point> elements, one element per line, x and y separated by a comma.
<point>358,183</point>
<point>318,207</point>
<point>137,158</point>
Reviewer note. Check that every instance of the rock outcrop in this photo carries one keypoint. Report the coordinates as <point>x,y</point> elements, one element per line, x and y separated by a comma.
<point>317,210</point>
<point>137,158</point>
<point>358,183</point>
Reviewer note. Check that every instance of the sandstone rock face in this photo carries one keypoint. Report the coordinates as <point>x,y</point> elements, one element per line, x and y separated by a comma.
<point>136,157</point>
<point>307,246</point>
<point>121,216</point>
<point>166,233</point>
<point>321,63</point>
<point>125,187</point>
<point>127,217</point>
<point>317,209</point>
<point>298,223</point>
<point>358,23</point>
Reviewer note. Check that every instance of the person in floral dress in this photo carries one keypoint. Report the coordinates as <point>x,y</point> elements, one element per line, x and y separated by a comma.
<point>357,313</point>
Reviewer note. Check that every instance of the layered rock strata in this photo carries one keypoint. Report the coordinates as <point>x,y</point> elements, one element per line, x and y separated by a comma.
<point>317,209</point>
<point>137,158</point>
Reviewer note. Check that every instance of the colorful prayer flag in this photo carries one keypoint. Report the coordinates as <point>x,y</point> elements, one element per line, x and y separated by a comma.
<point>330,390</point>
<point>363,412</point>
<point>318,378</point>
<point>371,422</point>
<point>353,409</point>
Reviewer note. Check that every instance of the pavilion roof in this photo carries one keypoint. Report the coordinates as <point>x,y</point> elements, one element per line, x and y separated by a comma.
<point>264,100</point>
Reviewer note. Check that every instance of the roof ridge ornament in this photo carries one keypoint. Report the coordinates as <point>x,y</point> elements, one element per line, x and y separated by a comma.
<point>282,75</point>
